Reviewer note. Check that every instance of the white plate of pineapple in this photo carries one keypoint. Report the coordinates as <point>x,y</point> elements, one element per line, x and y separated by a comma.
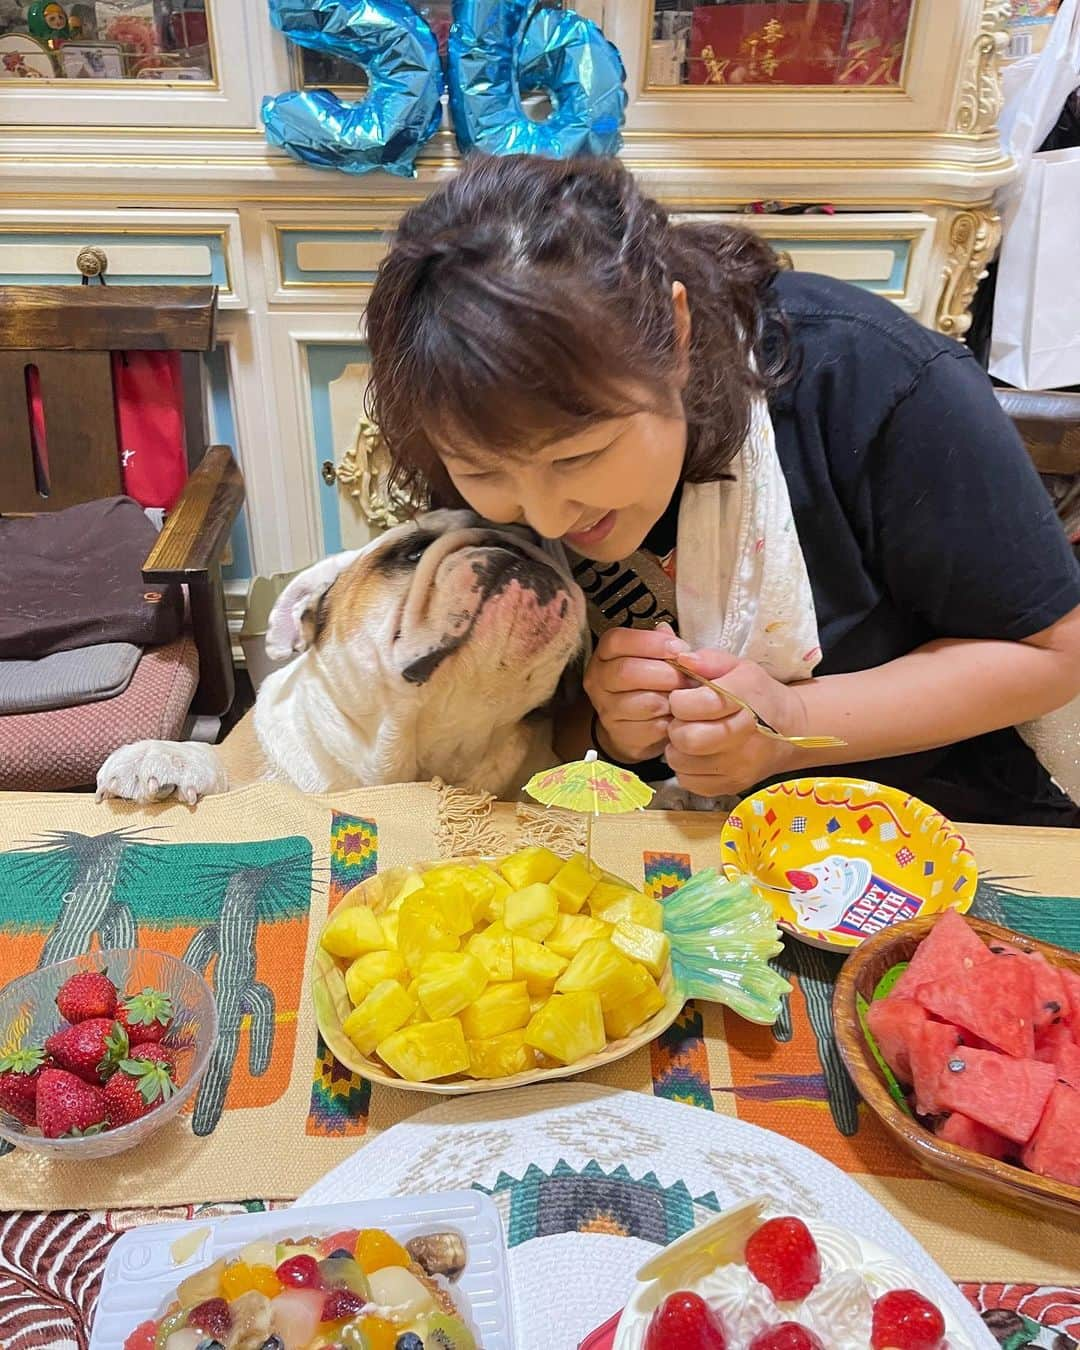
<point>475,973</point>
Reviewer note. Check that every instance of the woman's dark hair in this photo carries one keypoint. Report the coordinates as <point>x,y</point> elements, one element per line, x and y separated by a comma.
<point>530,297</point>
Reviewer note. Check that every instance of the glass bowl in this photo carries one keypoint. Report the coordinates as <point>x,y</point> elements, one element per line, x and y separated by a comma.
<point>28,1014</point>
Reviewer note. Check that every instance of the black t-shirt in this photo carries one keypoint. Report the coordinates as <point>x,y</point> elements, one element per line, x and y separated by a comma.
<point>918,511</point>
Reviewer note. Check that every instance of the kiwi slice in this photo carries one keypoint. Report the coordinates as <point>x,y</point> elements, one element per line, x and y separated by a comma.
<point>447,1333</point>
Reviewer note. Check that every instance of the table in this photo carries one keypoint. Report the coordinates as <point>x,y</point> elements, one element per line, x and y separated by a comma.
<point>275,862</point>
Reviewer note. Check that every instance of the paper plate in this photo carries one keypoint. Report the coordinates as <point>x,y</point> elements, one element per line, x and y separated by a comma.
<point>332,1006</point>
<point>839,859</point>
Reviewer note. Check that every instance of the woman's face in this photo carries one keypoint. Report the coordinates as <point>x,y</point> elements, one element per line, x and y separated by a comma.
<point>599,491</point>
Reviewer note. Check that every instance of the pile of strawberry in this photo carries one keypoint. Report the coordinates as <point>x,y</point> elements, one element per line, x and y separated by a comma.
<point>105,1069</point>
<point>784,1257</point>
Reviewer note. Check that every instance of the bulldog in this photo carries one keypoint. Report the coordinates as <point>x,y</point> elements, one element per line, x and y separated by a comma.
<point>421,655</point>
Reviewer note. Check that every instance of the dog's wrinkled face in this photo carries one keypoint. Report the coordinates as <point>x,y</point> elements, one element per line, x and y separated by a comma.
<point>470,619</point>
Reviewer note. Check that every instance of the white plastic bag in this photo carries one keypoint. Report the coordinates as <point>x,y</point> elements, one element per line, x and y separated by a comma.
<point>1035,342</point>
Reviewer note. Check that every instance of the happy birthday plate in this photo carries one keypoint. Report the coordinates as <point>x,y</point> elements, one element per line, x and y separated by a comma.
<point>841,859</point>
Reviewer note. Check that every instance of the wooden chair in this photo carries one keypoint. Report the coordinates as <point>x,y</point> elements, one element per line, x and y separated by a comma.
<point>1049,425</point>
<point>70,333</point>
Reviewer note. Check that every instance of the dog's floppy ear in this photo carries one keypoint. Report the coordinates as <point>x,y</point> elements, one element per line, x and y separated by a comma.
<point>291,626</point>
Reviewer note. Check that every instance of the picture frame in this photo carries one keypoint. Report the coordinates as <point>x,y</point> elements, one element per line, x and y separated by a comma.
<point>23,57</point>
<point>92,60</point>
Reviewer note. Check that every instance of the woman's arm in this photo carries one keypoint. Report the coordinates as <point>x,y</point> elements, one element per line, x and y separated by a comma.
<point>946,691</point>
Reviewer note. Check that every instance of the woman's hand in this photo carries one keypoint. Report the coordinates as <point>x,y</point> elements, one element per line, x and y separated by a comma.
<point>629,682</point>
<point>713,747</point>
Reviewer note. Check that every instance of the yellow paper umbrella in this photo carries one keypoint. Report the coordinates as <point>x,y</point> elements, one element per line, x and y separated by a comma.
<point>590,786</point>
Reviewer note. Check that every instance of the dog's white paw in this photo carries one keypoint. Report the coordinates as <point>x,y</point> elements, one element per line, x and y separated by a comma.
<point>151,771</point>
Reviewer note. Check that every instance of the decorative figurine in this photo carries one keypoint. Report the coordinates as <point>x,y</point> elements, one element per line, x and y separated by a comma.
<point>48,21</point>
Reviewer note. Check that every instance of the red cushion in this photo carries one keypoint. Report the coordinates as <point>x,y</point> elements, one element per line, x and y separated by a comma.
<point>63,749</point>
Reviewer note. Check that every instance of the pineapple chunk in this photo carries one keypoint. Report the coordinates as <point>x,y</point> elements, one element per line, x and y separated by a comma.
<point>532,912</point>
<point>478,884</point>
<point>573,882</point>
<point>411,883</point>
<point>385,1009</point>
<point>371,969</point>
<point>529,865</point>
<point>388,921</point>
<point>628,1015</point>
<point>598,966</point>
<point>571,930</point>
<point>500,1056</point>
<point>448,982</point>
<point>538,967</point>
<point>449,898</point>
<point>605,893</point>
<point>352,931</point>
<point>637,908</point>
<point>568,1027</point>
<point>495,949</point>
<point>642,944</point>
<point>493,911</point>
<point>422,929</point>
<point>501,1007</point>
<point>427,1050</point>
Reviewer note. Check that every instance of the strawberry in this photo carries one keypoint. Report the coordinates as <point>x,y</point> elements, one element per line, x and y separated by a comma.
<point>146,1016</point>
<point>87,995</point>
<point>783,1255</point>
<point>90,1049</point>
<point>786,1336</point>
<point>156,1054</point>
<point>213,1316</point>
<point>904,1320</point>
<point>135,1089</point>
<point>684,1321</point>
<point>68,1106</point>
<point>19,1074</point>
<point>341,1304</point>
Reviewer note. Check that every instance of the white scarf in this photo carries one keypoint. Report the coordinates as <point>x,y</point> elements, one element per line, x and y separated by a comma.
<point>742,586</point>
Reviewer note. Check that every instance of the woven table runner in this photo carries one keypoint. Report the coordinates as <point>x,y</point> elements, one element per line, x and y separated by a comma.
<point>270,864</point>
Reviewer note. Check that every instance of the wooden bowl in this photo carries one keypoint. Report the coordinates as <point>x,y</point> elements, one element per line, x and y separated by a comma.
<point>859,975</point>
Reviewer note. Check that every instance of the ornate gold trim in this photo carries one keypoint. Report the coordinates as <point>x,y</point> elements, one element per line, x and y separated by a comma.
<point>973,239</point>
<point>361,475</point>
<point>980,82</point>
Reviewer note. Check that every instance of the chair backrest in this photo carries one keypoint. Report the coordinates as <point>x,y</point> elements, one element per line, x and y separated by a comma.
<point>57,345</point>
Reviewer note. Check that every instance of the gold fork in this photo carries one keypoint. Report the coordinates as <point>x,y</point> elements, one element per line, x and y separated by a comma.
<point>803,742</point>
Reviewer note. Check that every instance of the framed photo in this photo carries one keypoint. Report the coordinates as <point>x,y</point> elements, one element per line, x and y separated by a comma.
<point>23,57</point>
<point>92,60</point>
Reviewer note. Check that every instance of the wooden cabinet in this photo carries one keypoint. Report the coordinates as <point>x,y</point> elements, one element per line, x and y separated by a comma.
<point>857,135</point>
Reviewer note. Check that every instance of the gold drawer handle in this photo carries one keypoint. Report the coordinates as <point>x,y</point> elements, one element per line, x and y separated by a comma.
<point>92,261</point>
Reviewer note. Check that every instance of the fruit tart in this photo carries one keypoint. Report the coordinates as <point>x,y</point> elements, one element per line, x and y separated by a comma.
<point>353,1290</point>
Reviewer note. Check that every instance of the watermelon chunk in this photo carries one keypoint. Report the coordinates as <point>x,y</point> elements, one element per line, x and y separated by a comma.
<point>1006,1095</point>
<point>967,1133</point>
<point>1051,1000</point>
<point>948,949</point>
<point>1049,1041</point>
<point>994,1001</point>
<point>1071,981</point>
<point>1054,1150</point>
<point>1067,1065</point>
<point>895,1023</point>
<point>930,1053</point>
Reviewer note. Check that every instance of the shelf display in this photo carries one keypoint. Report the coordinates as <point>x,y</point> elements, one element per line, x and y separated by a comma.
<point>809,42</point>
<point>112,40</point>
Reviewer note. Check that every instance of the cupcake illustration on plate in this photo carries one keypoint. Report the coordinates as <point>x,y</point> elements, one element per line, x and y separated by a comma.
<point>842,895</point>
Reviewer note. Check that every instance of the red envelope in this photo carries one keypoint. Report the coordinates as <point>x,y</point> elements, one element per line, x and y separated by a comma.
<point>766,44</point>
<point>603,1338</point>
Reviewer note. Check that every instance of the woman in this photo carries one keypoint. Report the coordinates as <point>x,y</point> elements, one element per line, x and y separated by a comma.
<point>812,467</point>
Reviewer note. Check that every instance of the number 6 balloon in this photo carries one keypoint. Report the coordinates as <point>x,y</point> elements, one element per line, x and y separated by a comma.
<point>500,49</point>
<point>403,107</point>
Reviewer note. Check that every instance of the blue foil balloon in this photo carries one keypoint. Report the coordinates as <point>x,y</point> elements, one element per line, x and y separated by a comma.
<point>502,48</point>
<point>402,109</point>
